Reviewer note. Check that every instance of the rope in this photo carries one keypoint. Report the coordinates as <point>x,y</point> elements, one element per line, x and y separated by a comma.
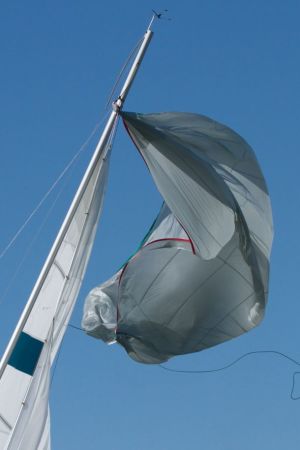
<point>245,355</point>
<point>41,202</point>
<point>111,95</point>
<point>81,149</point>
<point>231,364</point>
<point>30,245</point>
<point>76,328</point>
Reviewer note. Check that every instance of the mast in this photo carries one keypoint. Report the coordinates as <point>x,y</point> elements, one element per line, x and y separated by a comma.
<point>99,152</point>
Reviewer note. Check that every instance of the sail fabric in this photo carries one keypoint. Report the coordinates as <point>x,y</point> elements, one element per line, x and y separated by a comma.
<point>201,275</point>
<point>24,386</point>
<point>207,175</point>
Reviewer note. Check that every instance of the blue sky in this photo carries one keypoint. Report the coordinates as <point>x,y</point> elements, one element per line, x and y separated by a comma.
<point>235,61</point>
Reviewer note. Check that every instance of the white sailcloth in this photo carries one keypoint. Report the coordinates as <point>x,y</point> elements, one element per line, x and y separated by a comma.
<point>33,426</point>
<point>24,385</point>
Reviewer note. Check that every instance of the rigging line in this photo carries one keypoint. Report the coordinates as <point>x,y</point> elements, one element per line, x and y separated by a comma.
<point>33,240</point>
<point>123,68</point>
<point>46,195</point>
<point>274,352</point>
<point>75,327</point>
<point>56,363</point>
<point>112,134</point>
<point>56,360</point>
<point>55,366</point>
<point>227,366</point>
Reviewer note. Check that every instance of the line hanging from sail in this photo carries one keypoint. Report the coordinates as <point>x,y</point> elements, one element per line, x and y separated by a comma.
<point>237,360</point>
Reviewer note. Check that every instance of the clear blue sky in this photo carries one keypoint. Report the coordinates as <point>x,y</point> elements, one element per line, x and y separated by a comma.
<point>235,61</point>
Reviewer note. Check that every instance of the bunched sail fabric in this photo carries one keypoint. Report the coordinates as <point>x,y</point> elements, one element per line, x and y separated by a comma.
<point>24,386</point>
<point>201,274</point>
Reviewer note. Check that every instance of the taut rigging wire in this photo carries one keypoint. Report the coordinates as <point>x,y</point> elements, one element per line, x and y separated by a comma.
<point>46,195</point>
<point>123,68</point>
<point>81,149</point>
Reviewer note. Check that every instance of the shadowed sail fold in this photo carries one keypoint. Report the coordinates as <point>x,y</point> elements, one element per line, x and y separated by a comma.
<point>200,276</point>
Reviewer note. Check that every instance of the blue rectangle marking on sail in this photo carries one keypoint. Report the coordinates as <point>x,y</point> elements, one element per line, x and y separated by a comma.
<point>26,353</point>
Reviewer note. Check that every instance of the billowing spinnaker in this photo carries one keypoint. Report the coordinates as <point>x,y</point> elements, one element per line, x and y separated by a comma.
<point>201,275</point>
<point>208,175</point>
<point>24,385</point>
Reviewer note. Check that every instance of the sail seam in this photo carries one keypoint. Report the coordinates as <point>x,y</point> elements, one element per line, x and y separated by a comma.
<point>58,266</point>
<point>5,422</point>
<point>138,305</point>
<point>196,290</point>
<point>224,318</point>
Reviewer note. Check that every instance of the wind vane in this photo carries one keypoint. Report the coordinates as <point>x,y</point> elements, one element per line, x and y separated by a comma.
<point>158,15</point>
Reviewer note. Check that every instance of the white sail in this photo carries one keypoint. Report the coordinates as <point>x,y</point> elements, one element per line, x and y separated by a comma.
<point>25,365</point>
<point>25,382</point>
<point>32,429</point>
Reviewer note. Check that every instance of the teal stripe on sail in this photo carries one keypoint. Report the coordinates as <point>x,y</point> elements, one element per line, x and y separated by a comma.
<point>26,354</point>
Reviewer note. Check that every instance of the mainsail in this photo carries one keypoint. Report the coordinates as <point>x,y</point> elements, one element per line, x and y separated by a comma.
<point>25,382</point>
<point>201,275</point>
<point>25,365</point>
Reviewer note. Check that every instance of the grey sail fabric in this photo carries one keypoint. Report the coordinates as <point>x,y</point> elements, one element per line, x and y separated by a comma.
<point>200,276</point>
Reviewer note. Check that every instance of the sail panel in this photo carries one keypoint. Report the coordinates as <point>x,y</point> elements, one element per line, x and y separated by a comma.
<point>164,226</point>
<point>13,388</point>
